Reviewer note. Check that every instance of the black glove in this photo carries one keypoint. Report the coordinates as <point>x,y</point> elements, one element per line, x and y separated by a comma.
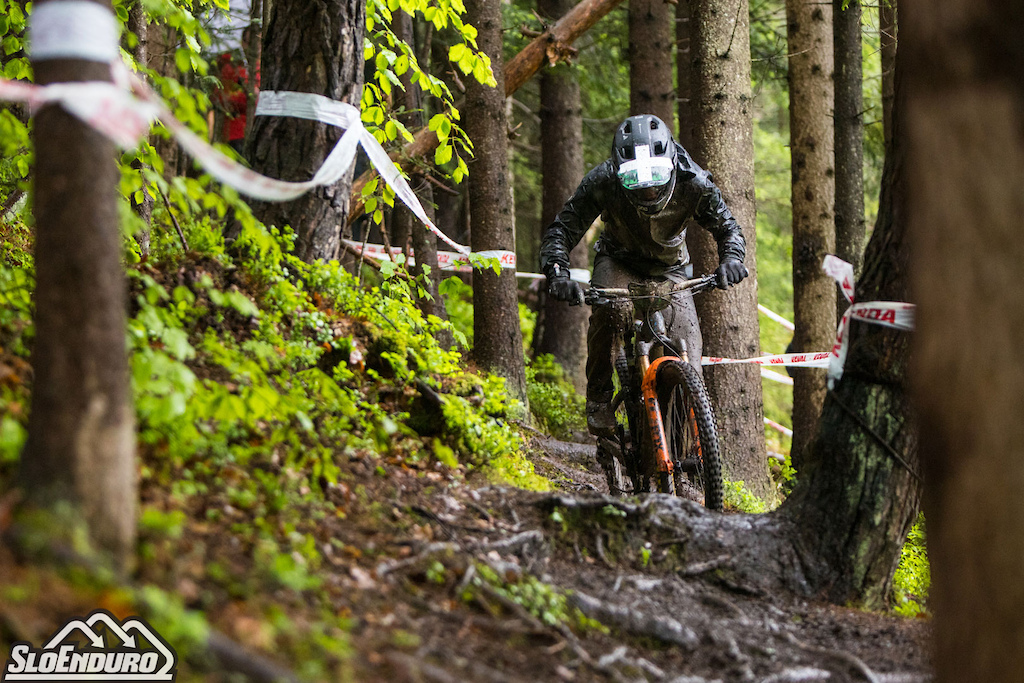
<point>730,272</point>
<point>565,289</point>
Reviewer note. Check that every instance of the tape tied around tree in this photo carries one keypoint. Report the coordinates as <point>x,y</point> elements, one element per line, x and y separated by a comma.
<point>73,29</point>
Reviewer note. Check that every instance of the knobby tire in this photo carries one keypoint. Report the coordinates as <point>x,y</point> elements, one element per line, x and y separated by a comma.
<point>690,430</point>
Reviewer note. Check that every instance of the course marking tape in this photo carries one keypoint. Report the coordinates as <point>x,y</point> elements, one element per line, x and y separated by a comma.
<point>776,377</point>
<point>894,314</point>
<point>776,317</point>
<point>782,429</point>
<point>446,260</point>
<point>124,118</point>
<point>74,29</point>
<point>794,360</point>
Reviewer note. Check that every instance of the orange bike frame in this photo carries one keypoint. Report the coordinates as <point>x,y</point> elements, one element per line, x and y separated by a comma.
<point>657,432</point>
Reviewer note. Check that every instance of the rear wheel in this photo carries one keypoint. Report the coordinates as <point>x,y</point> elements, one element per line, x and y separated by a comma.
<point>691,433</point>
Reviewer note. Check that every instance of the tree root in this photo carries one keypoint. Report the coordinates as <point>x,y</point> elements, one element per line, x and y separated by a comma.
<point>665,629</point>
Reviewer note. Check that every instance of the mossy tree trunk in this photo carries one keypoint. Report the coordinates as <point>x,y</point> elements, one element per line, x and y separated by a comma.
<point>81,442</point>
<point>859,491</point>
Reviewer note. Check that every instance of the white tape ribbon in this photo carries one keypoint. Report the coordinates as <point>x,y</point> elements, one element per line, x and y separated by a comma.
<point>446,260</point>
<point>776,317</point>
<point>793,360</point>
<point>73,29</point>
<point>894,314</point>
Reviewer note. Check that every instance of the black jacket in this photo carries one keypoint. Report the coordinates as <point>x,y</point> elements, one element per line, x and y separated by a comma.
<point>651,245</point>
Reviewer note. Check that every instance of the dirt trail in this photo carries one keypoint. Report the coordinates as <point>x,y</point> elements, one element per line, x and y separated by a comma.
<point>684,626</point>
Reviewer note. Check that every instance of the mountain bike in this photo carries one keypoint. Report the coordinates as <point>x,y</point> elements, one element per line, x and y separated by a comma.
<point>666,429</point>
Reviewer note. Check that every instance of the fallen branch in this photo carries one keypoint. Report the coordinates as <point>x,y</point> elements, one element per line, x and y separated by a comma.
<point>853,661</point>
<point>698,568</point>
<point>235,658</point>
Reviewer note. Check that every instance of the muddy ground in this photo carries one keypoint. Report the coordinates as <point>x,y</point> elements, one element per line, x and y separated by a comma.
<point>441,578</point>
<point>681,626</point>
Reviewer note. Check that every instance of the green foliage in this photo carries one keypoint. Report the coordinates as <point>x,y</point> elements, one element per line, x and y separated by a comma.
<point>555,405</point>
<point>545,602</point>
<point>738,497</point>
<point>913,577</point>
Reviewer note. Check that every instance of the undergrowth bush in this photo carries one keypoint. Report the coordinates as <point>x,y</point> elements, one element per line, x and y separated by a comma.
<point>555,405</point>
<point>913,577</point>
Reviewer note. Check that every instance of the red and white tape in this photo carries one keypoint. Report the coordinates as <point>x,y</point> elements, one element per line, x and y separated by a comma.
<point>446,260</point>
<point>75,29</point>
<point>797,360</point>
<point>894,314</point>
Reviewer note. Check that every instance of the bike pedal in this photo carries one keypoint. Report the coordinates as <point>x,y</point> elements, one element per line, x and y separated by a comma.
<point>689,464</point>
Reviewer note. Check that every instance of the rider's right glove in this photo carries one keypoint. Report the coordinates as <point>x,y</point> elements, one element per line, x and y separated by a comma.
<point>730,272</point>
<point>565,289</point>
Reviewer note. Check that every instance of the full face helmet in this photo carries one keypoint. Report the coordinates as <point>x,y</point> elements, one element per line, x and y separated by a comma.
<point>645,158</point>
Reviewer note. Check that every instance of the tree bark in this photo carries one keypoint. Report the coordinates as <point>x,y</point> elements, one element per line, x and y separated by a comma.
<point>313,46</point>
<point>497,339</point>
<point>723,143</point>
<point>553,45</point>
<point>887,26</point>
<point>684,75</point>
<point>963,64</point>
<point>849,137</point>
<point>651,36</point>
<point>812,132</point>
<point>81,443</point>
<point>856,501</point>
<point>561,328</point>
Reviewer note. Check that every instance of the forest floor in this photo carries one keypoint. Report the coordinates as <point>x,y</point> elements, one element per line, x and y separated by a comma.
<point>439,577</point>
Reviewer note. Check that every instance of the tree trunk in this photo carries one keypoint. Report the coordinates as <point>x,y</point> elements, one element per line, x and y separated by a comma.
<point>497,339</point>
<point>684,75</point>
<point>811,98</point>
<point>963,71</point>
<point>651,36</point>
<point>849,138</point>
<point>313,46</point>
<point>856,501</point>
<point>81,443</point>
<point>723,143</point>
<point>887,26</point>
<point>561,328</point>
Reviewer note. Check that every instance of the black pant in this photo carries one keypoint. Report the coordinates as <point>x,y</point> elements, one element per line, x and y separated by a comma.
<point>680,319</point>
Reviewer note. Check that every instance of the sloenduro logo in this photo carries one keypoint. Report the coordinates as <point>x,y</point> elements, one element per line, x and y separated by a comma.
<point>126,660</point>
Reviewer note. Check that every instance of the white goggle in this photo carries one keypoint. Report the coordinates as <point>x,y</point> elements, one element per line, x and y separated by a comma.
<point>645,170</point>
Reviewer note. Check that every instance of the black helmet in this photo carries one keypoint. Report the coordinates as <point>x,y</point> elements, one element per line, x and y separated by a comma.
<point>645,159</point>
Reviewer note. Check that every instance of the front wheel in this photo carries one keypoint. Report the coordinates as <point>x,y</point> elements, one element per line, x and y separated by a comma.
<point>691,433</point>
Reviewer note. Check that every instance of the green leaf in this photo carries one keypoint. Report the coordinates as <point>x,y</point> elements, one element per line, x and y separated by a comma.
<point>391,130</point>
<point>443,154</point>
<point>183,59</point>
<point>457,52</point>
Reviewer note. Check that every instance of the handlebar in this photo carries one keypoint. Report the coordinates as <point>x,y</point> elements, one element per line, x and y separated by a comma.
<point>599,296</point>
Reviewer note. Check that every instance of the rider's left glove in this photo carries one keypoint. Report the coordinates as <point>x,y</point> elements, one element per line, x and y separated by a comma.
<point>730,272</point>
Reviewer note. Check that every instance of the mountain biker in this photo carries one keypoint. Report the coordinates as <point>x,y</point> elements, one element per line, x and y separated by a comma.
<point>644,193</point>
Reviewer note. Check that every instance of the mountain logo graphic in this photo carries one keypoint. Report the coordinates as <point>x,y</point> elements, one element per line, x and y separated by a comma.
<point>100,648</point>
